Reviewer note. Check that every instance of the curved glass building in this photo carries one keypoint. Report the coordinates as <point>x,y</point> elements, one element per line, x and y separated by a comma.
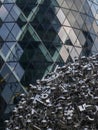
<point>36,35</point>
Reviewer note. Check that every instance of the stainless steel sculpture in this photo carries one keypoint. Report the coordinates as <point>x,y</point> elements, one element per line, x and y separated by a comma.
<point>66,99</point>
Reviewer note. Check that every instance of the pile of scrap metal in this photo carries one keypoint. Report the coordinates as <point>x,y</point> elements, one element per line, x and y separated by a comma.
<point>66,99</point>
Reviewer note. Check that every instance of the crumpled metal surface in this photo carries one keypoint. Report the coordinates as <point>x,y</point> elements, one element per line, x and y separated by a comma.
<point>66,99</point>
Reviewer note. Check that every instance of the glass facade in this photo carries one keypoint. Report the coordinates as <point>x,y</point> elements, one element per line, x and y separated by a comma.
<point>36,35</point>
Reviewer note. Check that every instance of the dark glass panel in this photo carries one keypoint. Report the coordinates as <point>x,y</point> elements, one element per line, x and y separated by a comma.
<point>35,66</point>
<point>40,31</point>
<point>50,35</point>
<point>26,40</point>
<point>26,6</point>
<point>20,22</point>
<point>2,83</point>
<point>50,47</point>
<point>1,22</point>
<point>1,62</point>
<point>68,42</point>
<point>1,42</point>
<point>2,105</point>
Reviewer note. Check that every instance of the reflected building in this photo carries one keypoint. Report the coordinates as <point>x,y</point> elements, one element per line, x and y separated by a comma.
<point>36,35</point>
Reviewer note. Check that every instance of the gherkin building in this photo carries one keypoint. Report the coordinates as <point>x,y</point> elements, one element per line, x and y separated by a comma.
<point>38,35</point>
